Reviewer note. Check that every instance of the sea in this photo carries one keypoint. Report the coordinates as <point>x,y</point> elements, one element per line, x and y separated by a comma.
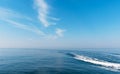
<point>59,61</point>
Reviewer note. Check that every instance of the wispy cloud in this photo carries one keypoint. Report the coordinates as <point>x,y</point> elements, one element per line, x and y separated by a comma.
<point>59,32</point>
<point>25,27</point>
<point>44,17</point>
<point>8,13</point>
<point>43,13</point>
<point>14,18</point>
<point>8,16</point>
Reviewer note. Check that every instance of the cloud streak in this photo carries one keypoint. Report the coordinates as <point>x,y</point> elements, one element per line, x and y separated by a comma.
<point>59,32</point>
<point>14,18</point>
<point>25,27</point>
<point>8,16</point>
<point>43,13</point>
<point>8,13</point>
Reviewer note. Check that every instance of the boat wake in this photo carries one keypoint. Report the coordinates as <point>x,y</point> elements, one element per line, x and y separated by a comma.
<point>104,64</point>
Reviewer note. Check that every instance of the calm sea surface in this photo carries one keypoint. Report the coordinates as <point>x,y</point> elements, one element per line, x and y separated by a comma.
<point>46,61</point>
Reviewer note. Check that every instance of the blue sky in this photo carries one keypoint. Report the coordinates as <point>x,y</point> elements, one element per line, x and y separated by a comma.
<point>60,23</point>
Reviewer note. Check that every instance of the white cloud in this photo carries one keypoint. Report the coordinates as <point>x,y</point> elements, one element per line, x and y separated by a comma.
<point>13,18</point>
<point>8,16</point>
<point>8,13</point>
<point>43,13</point>
<point>25,27</point>
<point>59,32</point>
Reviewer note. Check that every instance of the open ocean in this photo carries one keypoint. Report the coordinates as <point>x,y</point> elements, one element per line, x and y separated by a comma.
<point>46,61</point>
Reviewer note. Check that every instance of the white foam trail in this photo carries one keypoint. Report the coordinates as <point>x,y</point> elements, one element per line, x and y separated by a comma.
<point>108,65</point>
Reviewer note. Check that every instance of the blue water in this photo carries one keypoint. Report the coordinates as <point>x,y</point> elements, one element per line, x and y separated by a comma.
<point>46,61</point>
